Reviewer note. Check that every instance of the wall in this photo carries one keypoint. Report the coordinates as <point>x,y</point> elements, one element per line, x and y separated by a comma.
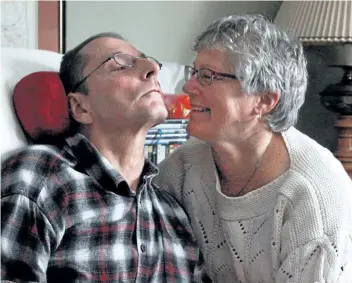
<point>163,29</point>
<point>19,24</point>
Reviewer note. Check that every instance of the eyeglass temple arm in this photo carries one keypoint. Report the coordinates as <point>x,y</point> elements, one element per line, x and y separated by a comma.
<point>86,77</point>
<point>226,75</point>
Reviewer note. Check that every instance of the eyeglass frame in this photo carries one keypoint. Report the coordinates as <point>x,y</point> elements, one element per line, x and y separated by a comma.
<point>213,74</point>
<point>77,85</point>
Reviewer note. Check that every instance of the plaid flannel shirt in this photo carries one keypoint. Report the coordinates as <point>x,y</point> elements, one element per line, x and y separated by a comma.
<point>68,216</point>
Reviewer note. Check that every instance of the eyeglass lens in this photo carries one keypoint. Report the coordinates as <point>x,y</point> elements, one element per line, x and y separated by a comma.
<point>204,75</point>
<point>127,60</point>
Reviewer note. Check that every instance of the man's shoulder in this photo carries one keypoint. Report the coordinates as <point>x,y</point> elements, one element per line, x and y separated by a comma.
<point>170,204</point>
<point>38,156</point>
<point>25,170</point>
<point>165,197</point>
<point>172,212</point>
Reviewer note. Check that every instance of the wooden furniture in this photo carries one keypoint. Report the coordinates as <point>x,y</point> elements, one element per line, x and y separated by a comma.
<point>338,98</point>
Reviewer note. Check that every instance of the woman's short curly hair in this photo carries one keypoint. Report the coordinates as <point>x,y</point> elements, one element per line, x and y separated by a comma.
<point>265,59</point>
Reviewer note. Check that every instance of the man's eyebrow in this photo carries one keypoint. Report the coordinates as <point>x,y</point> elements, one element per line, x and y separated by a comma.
<point>116,52</point>
<point>140,54</point>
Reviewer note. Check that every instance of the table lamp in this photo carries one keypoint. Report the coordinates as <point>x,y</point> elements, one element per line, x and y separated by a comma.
<point>327,23</point>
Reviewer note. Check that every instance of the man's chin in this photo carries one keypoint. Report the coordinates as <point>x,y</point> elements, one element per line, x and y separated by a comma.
<point>160,118</point>
<point>153,114</point>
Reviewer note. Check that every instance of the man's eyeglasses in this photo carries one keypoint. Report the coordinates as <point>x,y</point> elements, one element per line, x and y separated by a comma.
<point>121,59</point>
<point>205,76</point>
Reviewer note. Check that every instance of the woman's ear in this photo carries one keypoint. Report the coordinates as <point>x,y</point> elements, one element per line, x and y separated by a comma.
<point>79,108</point>
<point>267,102</point>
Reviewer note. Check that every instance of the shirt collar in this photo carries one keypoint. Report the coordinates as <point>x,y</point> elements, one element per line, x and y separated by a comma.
<point>99,168</point>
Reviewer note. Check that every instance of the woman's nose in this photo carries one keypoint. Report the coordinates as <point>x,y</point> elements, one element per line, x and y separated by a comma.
<point>185,87</point>
<point>191,85</point>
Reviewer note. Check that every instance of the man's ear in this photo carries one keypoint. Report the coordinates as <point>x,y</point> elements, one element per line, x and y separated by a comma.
<point>267,102</point>
<point>79,107</point>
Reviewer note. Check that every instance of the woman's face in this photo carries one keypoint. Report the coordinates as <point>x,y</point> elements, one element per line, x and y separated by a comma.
<point>220,111</point>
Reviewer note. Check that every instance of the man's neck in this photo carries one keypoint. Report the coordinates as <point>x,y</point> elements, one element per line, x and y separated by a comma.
<point>125,151</point>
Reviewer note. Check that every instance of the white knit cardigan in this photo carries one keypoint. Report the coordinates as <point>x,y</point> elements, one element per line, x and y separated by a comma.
<point>297,228</point>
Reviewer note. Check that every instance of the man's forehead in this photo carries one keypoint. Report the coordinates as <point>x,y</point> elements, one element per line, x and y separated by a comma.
<point>106,46</point>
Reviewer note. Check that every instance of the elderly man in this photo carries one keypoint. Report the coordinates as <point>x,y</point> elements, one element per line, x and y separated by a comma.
<point>86,211</point>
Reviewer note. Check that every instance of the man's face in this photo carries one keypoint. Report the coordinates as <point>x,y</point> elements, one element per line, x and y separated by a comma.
<point>121,98</point>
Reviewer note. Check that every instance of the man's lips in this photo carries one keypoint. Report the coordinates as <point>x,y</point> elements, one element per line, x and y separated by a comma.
<point>153,90</point>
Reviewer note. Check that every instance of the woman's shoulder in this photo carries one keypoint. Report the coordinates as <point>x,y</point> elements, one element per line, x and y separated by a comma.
<point>316,166</point>
<point>194,151</point>
<point>315,162</point>
<point>194,144</point>
<point>173,169</point>
<point>317,187</point>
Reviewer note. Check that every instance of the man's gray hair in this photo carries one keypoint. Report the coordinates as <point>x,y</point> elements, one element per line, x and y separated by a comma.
<point>71,71</point>
<point>265,59</point>
<point>73,63</point>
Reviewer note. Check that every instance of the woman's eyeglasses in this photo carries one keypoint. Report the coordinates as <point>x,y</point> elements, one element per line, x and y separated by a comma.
<point>204,75</point>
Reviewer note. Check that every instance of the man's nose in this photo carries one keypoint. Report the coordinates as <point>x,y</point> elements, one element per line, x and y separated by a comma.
<point>150,69</point>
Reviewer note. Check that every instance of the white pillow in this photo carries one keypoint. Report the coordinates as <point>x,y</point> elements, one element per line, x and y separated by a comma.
<point>171,77</point>
<point>17,63</point>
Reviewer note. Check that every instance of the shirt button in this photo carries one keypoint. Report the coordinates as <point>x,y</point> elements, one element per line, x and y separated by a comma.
<point>143,248</point>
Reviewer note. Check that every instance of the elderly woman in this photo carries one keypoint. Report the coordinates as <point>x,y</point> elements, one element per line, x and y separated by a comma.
<point>267,202</point>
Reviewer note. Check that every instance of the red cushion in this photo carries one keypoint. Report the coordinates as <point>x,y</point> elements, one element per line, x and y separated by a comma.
<point>41,105</point>
<point>178,105</point>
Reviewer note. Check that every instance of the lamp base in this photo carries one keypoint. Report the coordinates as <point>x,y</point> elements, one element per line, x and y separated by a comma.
<point>338,98</point>
<point>344,144</point>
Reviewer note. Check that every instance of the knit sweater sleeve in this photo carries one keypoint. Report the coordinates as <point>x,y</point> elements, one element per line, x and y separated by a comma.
<point>327,259</point>
<point>314,229</point>
<point>171,175</point>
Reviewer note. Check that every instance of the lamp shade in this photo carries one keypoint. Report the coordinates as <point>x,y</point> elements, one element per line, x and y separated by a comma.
<point>317,22</point>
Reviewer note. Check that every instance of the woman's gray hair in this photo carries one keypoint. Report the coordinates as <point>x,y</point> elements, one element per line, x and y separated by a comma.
<point>265,59</point>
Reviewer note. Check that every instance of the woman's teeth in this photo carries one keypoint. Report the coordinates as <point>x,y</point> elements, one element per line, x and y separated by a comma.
<point>198,109</point>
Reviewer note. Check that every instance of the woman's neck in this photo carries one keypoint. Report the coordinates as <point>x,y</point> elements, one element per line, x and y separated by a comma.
<point>239,163</point>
